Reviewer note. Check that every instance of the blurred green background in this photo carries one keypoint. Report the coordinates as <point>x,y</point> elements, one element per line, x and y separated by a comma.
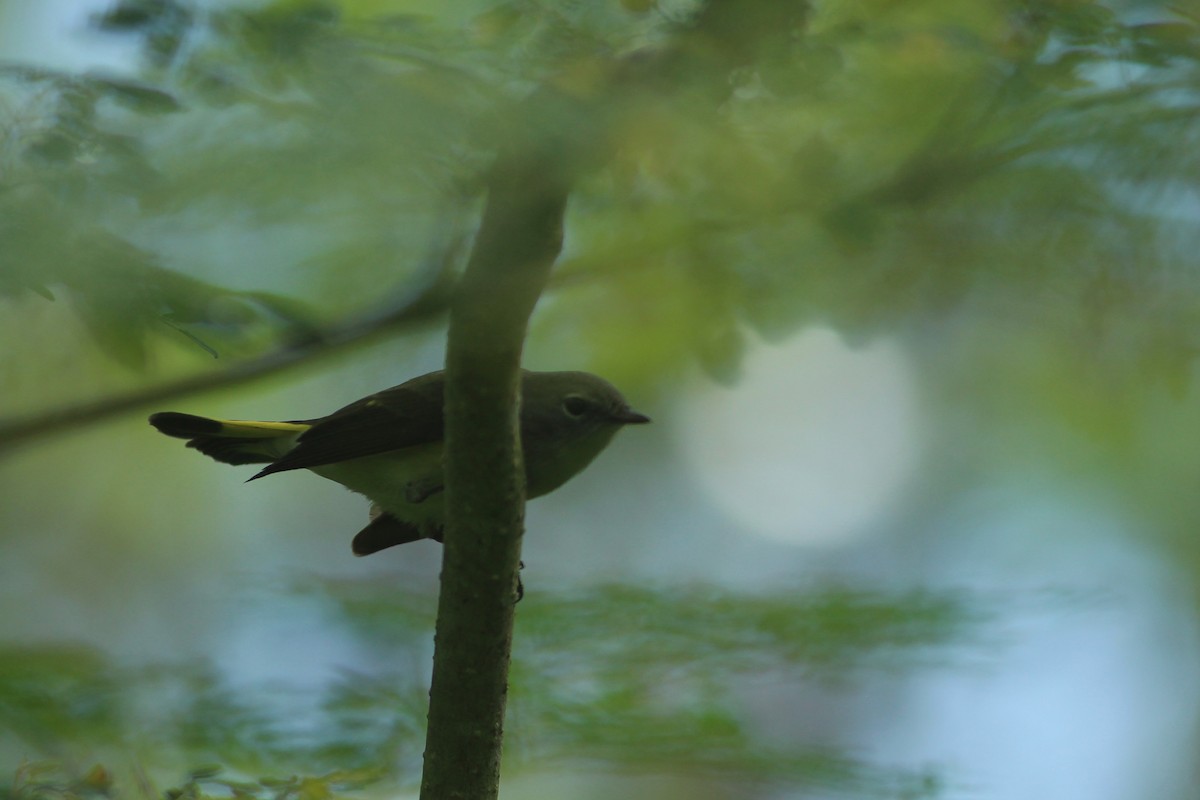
<point>910,294</point>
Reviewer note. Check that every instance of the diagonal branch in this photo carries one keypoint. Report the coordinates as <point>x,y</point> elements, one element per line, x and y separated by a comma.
<point>421,303</point>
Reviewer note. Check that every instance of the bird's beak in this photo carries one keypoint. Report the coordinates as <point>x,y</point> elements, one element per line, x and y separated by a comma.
<point>627,416</point>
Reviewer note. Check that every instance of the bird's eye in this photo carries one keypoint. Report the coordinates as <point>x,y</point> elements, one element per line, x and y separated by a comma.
<point>575,406</point>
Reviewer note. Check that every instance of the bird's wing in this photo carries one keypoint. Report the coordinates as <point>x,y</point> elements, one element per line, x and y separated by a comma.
<point>404,416</point>
<point>386,531</point>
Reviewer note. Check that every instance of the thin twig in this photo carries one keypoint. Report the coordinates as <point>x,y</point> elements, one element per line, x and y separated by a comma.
<point>428,299</point>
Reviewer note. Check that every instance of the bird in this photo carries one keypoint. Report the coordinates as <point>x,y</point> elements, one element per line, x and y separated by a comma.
<point>388,446</point>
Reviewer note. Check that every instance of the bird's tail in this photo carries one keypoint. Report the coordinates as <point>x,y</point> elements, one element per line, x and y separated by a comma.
<point>231,441</point>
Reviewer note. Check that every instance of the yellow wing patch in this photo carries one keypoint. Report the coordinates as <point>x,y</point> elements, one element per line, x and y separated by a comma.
<point>253,429</point>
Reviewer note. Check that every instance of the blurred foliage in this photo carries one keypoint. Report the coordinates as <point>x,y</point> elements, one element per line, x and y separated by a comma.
<point>889,165</point>
<point>55,695</point>
<point>70,175</point>
<point>638,678</point>
<point>915,162</point>
<point>49,779</point>
<point>1005,183</point>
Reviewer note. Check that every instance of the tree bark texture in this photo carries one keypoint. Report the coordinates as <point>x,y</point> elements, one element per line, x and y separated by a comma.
<point>558,133</point>
<point>519,238</point>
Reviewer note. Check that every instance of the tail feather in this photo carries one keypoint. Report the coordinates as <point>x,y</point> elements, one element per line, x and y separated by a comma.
<point>230,441</point>
<point>184,426</point>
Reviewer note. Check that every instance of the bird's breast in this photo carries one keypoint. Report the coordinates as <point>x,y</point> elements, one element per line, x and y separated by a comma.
<point>405,483</point>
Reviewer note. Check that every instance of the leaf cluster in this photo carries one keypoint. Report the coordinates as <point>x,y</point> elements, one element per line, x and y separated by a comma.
<point>914,166</point>
<point>633,678</point>
<point>74,176</point>
<point>879,169</point>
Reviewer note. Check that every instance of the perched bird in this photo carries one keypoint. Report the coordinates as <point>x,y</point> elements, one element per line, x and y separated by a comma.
<point>388,446</point>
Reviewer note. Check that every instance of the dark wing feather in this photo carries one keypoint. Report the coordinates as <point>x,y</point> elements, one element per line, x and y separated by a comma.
<point>385,531</point>
<point>404,416</point>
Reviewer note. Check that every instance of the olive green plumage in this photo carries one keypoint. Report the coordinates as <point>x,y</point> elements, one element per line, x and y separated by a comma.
<point>388,446</point>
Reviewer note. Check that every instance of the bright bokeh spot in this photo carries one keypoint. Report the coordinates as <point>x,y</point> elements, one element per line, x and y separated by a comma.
<point>815,443</point>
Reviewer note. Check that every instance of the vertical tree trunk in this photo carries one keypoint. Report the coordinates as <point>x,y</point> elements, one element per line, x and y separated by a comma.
<point>519,238</point>
<point>558,134</point>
